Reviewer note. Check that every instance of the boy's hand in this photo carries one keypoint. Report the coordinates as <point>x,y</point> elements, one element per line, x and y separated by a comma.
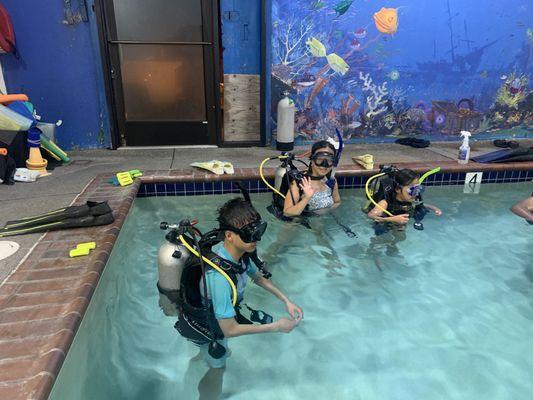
<point>294,311</point>
<point>437,211</point>
<point>401,219</point>
<point>286,325</point>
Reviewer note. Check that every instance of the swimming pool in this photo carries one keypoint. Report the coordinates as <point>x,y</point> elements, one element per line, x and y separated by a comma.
<point>445,314</point>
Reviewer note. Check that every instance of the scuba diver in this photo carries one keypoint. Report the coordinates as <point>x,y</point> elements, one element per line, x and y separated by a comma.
<point>205,286</point>
<point>313,190</point>
<point>524,209</point>
<point>300,195</point>
<point>398,194</point>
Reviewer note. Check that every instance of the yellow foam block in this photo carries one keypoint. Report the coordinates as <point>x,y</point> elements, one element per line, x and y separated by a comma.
<point>124,178</point>
<point>78,252</point>
<point>87,245</point>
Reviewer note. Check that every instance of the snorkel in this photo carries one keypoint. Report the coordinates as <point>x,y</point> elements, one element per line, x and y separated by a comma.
<point>339,145</point>
<point>433,171</point>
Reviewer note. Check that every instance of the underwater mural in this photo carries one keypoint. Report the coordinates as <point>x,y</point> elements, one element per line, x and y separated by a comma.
<point>377,70</point>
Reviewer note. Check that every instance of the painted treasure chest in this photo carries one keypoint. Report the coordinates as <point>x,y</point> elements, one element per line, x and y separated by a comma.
<point>451,118</point>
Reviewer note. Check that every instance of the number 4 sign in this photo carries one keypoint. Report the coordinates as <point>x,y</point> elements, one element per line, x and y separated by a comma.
<point>472,182</point>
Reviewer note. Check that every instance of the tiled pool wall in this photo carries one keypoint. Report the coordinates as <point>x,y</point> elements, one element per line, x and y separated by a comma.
<point>345,182</point>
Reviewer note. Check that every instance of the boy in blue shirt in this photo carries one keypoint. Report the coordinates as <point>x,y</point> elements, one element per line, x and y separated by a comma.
<point>242,227</point>
<point>237,219</point>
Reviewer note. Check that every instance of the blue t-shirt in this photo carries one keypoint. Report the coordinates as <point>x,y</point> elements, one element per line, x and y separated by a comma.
<point>219,289</point>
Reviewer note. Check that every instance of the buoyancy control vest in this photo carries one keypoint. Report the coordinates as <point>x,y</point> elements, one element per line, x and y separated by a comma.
<point>180,274</point>
<point>384,189</point>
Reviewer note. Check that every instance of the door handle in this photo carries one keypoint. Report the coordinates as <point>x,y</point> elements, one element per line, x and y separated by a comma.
<point>245,32</point>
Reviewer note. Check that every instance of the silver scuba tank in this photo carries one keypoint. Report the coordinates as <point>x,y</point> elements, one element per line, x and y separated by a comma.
<point>171,260</point>
<point>278,177</point>
<point>285,123</point>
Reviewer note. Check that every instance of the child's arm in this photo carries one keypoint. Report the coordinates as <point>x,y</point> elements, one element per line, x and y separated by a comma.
<point>336,195</point>
<point>433,208</point>
<point>377,212</point>
<point>524,209</point>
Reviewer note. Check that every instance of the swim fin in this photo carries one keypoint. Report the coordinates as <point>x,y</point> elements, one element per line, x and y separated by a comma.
<point>506,155</point>
<point>226,165</point>
<point>212,166</point>
<point>76,222</point>
<point>89,208</point>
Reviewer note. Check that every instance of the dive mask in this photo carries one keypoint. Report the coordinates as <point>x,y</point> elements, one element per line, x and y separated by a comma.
<point>249,233</point>
<point>323,159</point>
<point>416,190</point>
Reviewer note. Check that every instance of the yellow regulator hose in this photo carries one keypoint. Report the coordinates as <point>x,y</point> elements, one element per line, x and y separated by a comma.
<point>214,266</point>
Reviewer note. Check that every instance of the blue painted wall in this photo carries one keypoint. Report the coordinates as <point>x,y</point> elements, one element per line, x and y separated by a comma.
<point>442,50</point>
<point>241,36</point>
<point>60,70</point>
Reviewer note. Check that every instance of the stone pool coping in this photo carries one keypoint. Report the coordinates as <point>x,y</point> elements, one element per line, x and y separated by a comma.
<point>42,302</point>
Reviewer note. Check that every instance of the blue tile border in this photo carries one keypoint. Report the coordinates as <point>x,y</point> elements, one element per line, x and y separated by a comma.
<point>345,182</point>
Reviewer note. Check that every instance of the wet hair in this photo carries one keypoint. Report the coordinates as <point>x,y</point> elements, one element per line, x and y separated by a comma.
<point>404,177</point>
<point>237,213</point>
<point>322,144</point>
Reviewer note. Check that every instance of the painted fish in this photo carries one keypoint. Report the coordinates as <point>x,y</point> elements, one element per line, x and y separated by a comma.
<point>484,74</point>
<point>307,80</point>
<point>317,5</point>
<point>503,77</point>
<point>360,33</point>
<point>394,75</point>
<point>316,47</point>
<point>354,125</point>
<point>355,44</point>
<point>337,64</point>
<point>386,20</point>
<point>343,6</point>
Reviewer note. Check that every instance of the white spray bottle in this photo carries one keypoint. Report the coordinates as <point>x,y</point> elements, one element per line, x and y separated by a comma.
<point>464,150</point>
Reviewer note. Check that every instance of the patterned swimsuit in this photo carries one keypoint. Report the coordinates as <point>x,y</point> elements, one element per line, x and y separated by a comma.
<point>323,199</point>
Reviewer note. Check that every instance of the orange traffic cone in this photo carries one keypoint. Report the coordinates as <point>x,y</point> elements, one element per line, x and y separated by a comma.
<point>36,161</point>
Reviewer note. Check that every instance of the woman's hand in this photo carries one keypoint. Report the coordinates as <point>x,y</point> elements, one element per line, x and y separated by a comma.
<point>305,185</point>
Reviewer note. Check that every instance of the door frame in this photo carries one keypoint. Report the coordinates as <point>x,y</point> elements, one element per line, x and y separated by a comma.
<point>211,75</point>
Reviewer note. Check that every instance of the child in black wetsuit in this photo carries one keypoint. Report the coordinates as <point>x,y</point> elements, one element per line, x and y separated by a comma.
<point>401,197</point>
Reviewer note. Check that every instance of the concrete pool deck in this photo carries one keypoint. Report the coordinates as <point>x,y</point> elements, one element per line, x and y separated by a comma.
<point>44,297</point>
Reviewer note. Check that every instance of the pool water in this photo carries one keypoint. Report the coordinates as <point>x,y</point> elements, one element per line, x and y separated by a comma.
<point>446,313</point>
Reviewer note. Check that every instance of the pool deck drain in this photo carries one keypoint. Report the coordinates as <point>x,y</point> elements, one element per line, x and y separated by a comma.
<point>42,302</point>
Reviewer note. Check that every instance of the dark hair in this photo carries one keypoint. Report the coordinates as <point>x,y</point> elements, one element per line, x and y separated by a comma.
<point>236,213</point>
<point>404,176</point>
<point>320,145</point>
